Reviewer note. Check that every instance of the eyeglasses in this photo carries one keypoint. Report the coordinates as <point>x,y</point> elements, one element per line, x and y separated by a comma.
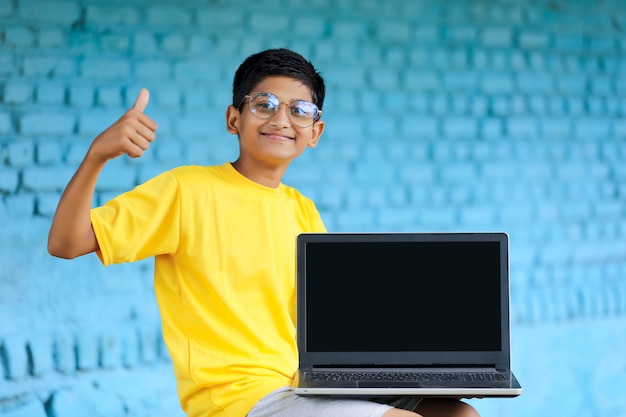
<point>265,105</point>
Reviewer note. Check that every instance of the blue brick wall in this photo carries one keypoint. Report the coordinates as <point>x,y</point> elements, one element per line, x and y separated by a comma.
<point>449,115</point>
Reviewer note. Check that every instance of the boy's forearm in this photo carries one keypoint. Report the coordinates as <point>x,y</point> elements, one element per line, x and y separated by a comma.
<point>71,234</point>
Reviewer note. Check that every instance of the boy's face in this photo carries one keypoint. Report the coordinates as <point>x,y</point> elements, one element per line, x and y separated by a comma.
<point>275,140</point>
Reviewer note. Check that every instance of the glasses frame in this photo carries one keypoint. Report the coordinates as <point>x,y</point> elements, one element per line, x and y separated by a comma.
<point>249,97</point>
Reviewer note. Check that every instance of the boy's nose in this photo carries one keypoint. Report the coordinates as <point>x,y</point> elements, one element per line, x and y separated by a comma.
<point>282,115</point>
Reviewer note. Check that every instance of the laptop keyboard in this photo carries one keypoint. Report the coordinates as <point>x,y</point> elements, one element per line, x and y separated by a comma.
<point>404,376</point>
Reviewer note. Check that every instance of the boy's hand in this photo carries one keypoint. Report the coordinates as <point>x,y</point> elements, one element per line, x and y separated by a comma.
<point>130,135</point>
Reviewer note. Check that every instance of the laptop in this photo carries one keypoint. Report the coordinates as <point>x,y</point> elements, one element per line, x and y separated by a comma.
<point>423,314</point>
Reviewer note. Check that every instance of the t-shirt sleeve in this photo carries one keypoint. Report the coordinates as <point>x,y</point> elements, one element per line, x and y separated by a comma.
<point>140,223</point>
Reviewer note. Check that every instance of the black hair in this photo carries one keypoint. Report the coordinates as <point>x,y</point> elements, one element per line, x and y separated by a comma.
<point>277,62</point>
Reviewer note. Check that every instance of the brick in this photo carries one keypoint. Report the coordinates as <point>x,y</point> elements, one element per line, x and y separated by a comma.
<point>568,42</point>
<point>27,406</point>
<point>503,170</point>
<point>460,127</point>
<point>355,219</point>
<point>49,93</point>
<point>535,83</point>
<point>20,153</point>
<point>497,37</point>
<point>117,176</point>
<point>40,351</point>
<point>601,85</point>
<point>51,38</point>
<point>144,44</point>
<point>19,37</point>
<point>81,96</point>
<point>6,9</point>
<point>148,341</point>
<point>602,44</point>
<point>18,93</point>
<point>47,123</point>
<point>330,198</point>
<point>105,69</point>
<point>395,219</point>
<point>421,80</point>
<point>398,32</point>
<point>112,15</point>
<point>310,26</point>
<point>46,178</point>
<point>9,181</point>
<point>46,203</point>
<point>592,128</point>
<point>20,206</point>
<point>49,67</point>
<point>352,77</point>
<point>349,29</point>
<point>458,172</point>
<point>153,69</point>
<point>522,127</point>
<point>380,127</point>
<point>491,128</point>
<point>556,127</point>
<point>496,83</point>
<point>198,70</point>
<point>458,81</point>
<point>374,173</point>
<point>533,40</point>
<point>383,79</point>
<point>417,173</point>
<point>417,128</point>
<point>440,218</point>
<point>259,22</point>
<point>49,11</point>
<point>460,34</point>
<point>169,16</point>
<point>109,97</point>
<point>92,123</point>
<point>6,125</point>
<point>114,43</point>
<point>8,65</point>
<point>481,217</point>
<point>110,351</point>
<point>571,84</point>
<point>14,357</point>
<point>87,347</point>
<point>174,43</point>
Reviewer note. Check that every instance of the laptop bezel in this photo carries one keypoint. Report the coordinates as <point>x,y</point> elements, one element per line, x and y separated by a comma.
<point>499,360</point>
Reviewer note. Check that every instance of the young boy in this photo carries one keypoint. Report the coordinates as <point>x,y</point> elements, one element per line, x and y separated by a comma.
<point>223,238</point>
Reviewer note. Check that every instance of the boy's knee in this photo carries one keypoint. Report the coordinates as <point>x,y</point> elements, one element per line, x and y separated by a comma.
<point>435,407</point>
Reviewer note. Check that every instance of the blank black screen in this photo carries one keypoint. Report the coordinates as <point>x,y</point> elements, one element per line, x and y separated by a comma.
<point>403,296</point>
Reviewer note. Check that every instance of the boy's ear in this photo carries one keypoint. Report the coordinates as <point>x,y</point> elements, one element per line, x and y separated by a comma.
<point>232,120</point>
<point>316,132</point>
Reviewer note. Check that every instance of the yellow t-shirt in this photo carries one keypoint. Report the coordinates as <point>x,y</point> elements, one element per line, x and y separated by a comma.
<point>224,249</point>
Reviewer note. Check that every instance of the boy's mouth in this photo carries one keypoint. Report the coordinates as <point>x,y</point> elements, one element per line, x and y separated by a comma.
<point>278,137</point>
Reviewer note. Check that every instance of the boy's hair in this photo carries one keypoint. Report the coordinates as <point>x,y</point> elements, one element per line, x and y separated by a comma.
<point>277,62</point>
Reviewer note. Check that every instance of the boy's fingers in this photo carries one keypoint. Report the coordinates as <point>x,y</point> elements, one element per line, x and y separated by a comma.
<point>142,100</point>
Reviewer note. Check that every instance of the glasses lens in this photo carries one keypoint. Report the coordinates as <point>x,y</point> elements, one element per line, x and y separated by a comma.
<point>264,105</point>
<point>301,112</point>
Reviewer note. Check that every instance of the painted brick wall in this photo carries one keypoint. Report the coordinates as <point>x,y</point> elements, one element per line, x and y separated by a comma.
<point>447,115</point>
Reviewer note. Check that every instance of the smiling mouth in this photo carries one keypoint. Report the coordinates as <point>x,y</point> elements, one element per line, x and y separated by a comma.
<point>279,138</point>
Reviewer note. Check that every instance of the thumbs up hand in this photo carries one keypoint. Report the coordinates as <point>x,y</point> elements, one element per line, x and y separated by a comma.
<point>131,134</point>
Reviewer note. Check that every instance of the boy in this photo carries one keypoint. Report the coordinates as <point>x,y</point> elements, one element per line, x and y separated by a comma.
<point>223,238</point>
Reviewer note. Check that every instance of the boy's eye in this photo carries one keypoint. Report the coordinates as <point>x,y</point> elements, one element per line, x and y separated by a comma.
<point>302,109</point>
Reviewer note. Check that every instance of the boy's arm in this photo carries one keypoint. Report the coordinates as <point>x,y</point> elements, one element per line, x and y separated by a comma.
<point>71,234</point>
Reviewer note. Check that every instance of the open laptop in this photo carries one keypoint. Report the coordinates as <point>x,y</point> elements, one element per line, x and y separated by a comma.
<point>404,314</point>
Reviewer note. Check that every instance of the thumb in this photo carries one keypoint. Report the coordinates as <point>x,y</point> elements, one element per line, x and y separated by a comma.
<point>142,100</point>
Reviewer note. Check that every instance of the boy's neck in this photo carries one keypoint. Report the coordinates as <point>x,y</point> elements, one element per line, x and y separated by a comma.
<point>268,176</point>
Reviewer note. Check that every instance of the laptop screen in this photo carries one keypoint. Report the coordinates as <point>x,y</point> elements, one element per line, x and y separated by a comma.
<point>403,292</point>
